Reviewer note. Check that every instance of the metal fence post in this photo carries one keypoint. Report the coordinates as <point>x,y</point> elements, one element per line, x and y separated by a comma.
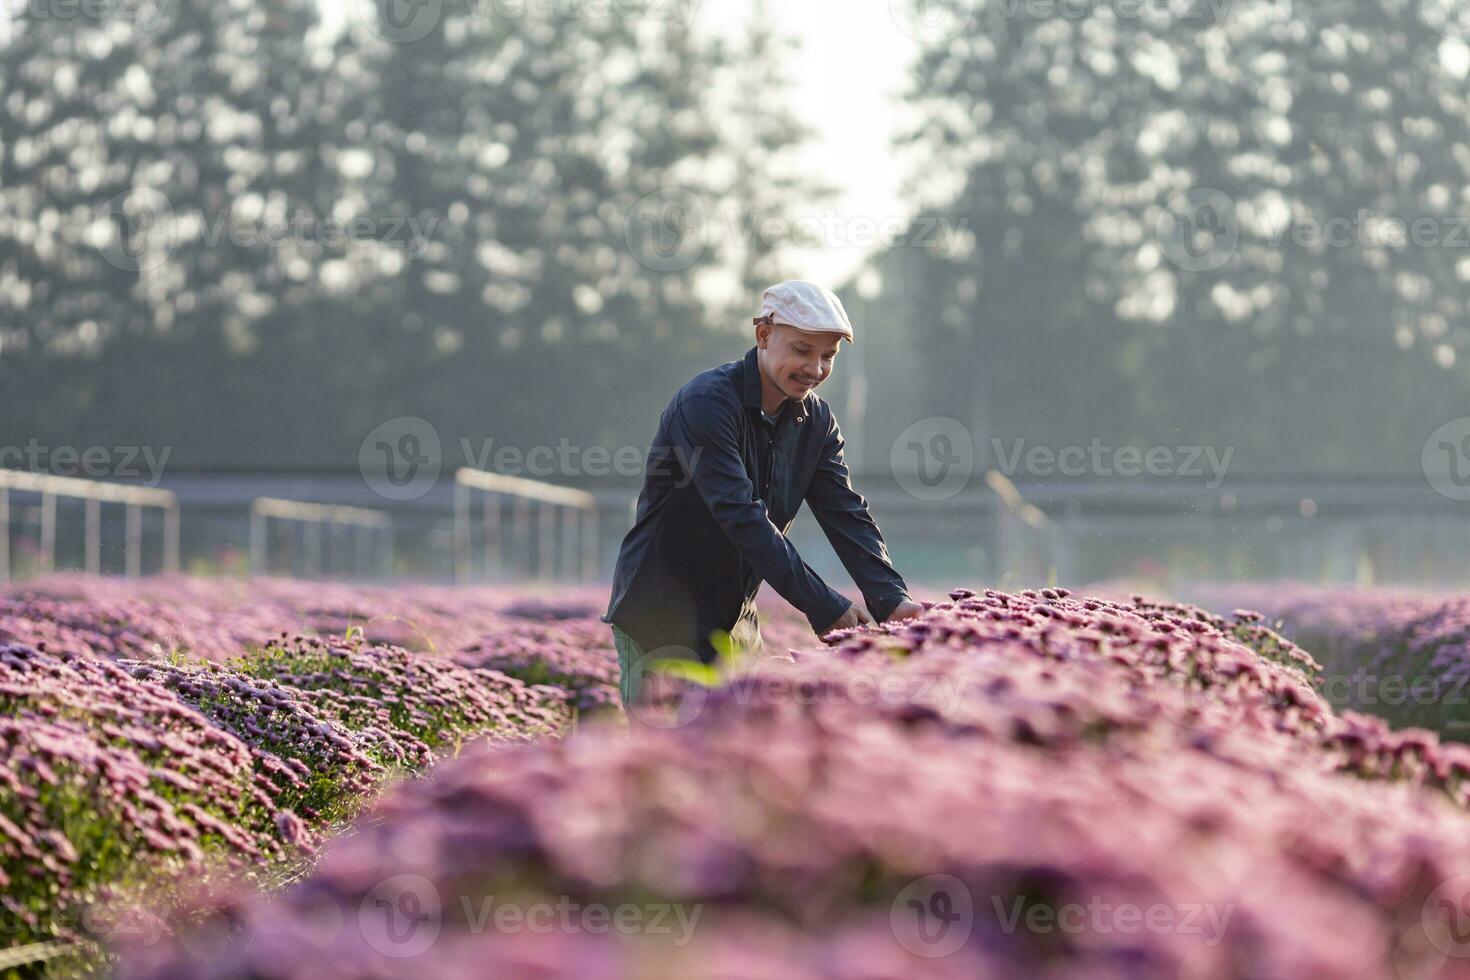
<point>171,539</point>
<point>544,558</point>
<point>94,536</point>
<point>590,544</point>
<point>4,534</point>
<point>257,542</point>
<point>94,493</point>
<point>570,523</point>
<point>313,549</point>
<point>523,534</point>
<point>546,540</point>
<point>48,531</point>
<point>461,533</point>
<point>134,548</point>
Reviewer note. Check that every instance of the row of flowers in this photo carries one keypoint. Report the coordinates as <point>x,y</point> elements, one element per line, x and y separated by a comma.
<point>132,763</point>
<point>1013,784</point>
<point>1400,654</point>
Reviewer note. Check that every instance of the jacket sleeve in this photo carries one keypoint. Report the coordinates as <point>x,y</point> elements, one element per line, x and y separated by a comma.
<point>843,514</point>
<point>706,431</point>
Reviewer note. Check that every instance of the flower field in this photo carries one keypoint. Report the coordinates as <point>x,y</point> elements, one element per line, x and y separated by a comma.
<point>1401,654</point>
<point>212,779</point>
<point>1014,784</point>
<point>174,731</point>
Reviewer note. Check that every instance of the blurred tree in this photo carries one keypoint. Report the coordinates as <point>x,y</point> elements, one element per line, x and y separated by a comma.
<point>1142,185</point>
<point>768,187</point>
<point>222,236</point>
<point>156,156</point>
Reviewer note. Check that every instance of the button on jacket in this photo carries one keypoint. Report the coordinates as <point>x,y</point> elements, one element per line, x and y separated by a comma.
<point>721,489</point>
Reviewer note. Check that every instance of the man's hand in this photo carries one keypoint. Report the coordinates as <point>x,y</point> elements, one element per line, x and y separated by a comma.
<point>854,616</point>
<point>907,609</point>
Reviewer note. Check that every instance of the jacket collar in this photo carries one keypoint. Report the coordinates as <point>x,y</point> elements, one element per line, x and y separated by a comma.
<point>752,395</point>
<point>752,381</point>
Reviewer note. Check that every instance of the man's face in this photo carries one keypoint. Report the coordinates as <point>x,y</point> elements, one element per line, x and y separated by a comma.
<point>793,360</point>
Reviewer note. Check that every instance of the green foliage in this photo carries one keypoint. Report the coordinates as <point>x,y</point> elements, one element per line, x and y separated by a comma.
<point>730,659</point>
<point>497,165</point>
<point>1055,144</point>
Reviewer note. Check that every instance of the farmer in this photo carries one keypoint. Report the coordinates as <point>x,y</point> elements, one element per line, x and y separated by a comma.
<point>738,449</point>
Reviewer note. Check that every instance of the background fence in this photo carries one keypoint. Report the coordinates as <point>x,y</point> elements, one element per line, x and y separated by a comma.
<point>483,527</point>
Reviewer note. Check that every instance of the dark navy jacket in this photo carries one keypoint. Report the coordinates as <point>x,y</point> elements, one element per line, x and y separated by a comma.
<point>721,489</point>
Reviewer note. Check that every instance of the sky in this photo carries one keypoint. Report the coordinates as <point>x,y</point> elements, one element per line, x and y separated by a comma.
<point>847,76</point>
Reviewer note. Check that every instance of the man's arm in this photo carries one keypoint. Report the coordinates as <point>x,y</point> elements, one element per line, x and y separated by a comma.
<point>843,514</point>
<point>706,432</point>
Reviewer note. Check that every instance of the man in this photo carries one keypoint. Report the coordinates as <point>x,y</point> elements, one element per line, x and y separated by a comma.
<point>737,451</point>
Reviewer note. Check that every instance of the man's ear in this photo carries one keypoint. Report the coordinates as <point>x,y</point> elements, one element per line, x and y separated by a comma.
<point>763,334</point>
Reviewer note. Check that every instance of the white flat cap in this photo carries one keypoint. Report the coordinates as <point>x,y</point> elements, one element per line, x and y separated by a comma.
<point>805,306</point>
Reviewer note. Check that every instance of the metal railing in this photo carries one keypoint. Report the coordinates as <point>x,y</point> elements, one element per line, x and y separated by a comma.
<point>579,530</point>
<point>365,522</point>
<point>95,493</point>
